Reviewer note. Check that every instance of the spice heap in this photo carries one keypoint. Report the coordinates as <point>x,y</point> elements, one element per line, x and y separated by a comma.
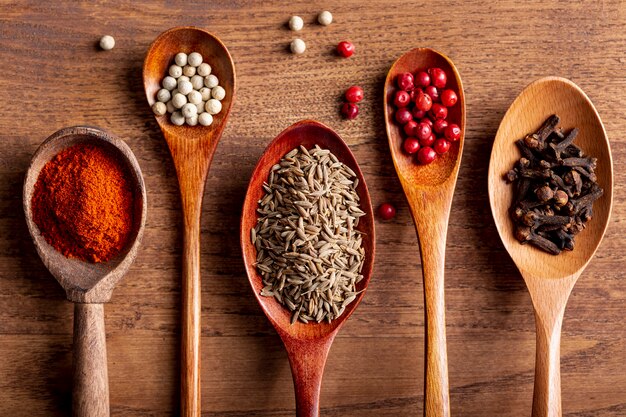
<point>191,94</point>
<point>555,188</point>
<point>308,249</point>
<point>83,203</point>
<point>422,103</point>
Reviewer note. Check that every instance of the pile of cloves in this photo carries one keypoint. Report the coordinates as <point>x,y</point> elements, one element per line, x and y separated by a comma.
<point>555,188</point>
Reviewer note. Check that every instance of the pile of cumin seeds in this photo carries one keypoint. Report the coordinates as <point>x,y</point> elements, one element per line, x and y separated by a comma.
<point>309,252</point>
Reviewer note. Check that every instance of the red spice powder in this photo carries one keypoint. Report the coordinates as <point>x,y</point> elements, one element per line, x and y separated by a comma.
<point>83,203</point>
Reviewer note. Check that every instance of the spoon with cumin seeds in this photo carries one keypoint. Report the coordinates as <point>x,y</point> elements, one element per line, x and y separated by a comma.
<point>307,344</point>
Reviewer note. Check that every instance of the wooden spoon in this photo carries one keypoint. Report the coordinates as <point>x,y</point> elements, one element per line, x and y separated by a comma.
<point>549,278</point>
<point>86,284</point>
<point>307,344</point>
<point>192,149</point>
<point>429,190</point>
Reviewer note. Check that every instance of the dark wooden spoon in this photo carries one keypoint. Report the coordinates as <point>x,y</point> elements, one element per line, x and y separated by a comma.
<point>192,149</point>
<point>87,285</point>
<point>429,190</point>
<point>307,344</point>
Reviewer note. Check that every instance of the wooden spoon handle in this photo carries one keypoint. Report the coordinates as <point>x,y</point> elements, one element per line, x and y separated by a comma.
<point>91,383</point>
<point>307,360</point>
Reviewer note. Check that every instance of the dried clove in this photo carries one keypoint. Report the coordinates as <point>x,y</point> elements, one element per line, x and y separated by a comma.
<point>555,187</point>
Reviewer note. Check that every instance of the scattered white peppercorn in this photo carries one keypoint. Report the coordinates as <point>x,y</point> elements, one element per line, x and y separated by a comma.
<point>298,46</point>
<point>194,59</point>
<point>204,69</point>
<point>181,59</point>
<point>164,95</point>
<point>179,100</point>
<point>205,119</point>
<point>107,42</point>
<point>211,81</point>
<point>189,71</point>
<point>177,118</point>
<point>213,106</point>
<point>296,23</point>
<point>194,97</point>
<point>169,83</point>
<point>190,93</point>
<point>218,93</point>
<point>175,71</point>
<point>159,108</point>
<point>325,18</point>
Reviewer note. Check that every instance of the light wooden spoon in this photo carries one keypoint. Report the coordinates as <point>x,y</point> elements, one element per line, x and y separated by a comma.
<point>307,344</point>
<point>192,149</point>
<point>549,278</point>
<point>429,190</point>
<point>87,285</point>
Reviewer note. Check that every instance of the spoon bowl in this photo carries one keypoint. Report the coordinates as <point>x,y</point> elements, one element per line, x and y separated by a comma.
<point>192,149</point>
<point>429,190</point>
<point>87,284</point>
<point>550,278</point>
<point>307,344</point>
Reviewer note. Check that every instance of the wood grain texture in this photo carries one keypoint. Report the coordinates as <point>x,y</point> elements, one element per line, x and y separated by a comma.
<point>53,69</point>
<point>429,191</point>
<point>307,344</point>
<point>550,279</point>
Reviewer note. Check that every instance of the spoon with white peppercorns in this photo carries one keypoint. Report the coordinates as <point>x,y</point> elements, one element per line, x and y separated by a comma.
<point>192,149</point>
<point>549,278</point>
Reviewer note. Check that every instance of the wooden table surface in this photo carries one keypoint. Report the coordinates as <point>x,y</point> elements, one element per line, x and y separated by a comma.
<point>54,76</point>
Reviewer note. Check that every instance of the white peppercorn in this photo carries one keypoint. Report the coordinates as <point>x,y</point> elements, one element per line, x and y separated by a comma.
<point>325,18</point>
<point>205,119</point>
<point>218,93</point>
<point>194,97</point>
<point>197,82</point>
<point>204,69</point>
<point>189,71</point>
<point>185,87</point>
<point>298,46</point>
<point>170,107</point>
<point>189,110</point>
<point>200,107</point>
<point>175,91</point>
<point>179,100</point>
<point>169,83</point>
<point>211,81</point>
<point>107,42</point>
<point>163,95</point>
<point>192,121</point>
<point>194,59</point>
<point>159,108</point>
<point>206,93</point>
<point>175,71</point>
<point>177,118</point>
<point>296,23</point>
<point>183,78</point>
<point>213,106</point>
<point>181,59</point>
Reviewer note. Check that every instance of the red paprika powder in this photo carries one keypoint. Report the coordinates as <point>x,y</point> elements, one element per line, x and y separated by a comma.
<point>83,203</point>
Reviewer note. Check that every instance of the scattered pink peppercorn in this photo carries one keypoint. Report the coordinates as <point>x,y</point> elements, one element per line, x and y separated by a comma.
<point>432,91</point>
<point>441,146</point>
<point>439,111</point>
<point>427,141</point>
<point>423,102</point>
<point>386,211</point>
<point>422,79</point>
<point>409,128</point>
<point>448,98</point>
<point>403,115</point>
<point>437,77</point>
<point>350,110</point>
<point>354,94</point>
<point>411,145</point>
<point>426,155</point>
<point>405,81</point>
<point>453,132</point>
<point>427,121</point>
<point>418,114</point>
<point>423,131</point>
<point>401,99</point>
<point>440,125</point>
<point>345,49</point>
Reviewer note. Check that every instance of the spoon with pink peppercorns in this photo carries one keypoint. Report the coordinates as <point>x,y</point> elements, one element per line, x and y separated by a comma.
<point>418,87</point>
